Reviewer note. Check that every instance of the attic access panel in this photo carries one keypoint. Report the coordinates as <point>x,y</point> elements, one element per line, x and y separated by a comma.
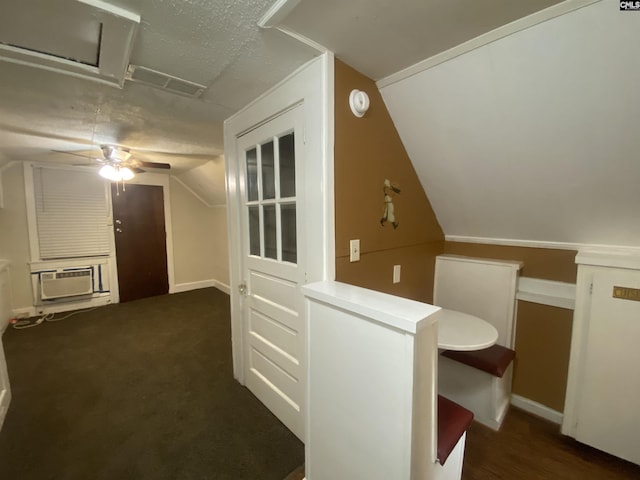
<point>88,38</point>
<point>53,31</point>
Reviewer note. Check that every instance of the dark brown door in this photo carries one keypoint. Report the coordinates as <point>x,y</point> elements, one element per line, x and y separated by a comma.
<point>141,252</point>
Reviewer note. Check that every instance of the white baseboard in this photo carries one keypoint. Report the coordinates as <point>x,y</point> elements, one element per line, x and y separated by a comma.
<point>536,408</point>
<point>36,310</point>
<point>25,312</point>
<point>185,287</point>
<point>223,287</point>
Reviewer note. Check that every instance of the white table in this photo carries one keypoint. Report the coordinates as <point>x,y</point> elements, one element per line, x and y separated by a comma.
<point>464,332</point>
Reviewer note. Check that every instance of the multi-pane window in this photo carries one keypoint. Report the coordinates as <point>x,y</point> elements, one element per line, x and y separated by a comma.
<point>271,198</point>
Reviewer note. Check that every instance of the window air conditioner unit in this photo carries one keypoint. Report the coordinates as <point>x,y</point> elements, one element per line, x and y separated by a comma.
<point>69,283</point>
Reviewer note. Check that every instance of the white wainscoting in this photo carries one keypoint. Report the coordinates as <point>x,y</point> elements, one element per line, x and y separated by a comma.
<point>547,292</point>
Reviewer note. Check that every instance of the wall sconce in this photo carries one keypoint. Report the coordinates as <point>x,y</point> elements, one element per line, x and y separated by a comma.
<point>359,102</point>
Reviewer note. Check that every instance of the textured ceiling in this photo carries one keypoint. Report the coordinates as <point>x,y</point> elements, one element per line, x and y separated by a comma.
<point>213,43</point>
<point>216,44</point>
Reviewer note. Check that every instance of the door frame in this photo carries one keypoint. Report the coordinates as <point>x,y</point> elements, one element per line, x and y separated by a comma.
<point>312,85</point>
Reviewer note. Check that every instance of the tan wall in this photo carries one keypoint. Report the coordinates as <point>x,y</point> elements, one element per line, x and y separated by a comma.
<point>199,238</point>
<point>543,342</point>
<point>543,333</point>
<point>544,263</point>
<point>14,245</point>
<point>368,150</point>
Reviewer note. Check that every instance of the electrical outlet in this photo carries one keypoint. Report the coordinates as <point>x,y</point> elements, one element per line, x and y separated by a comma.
<point>396,274</point>
<point>354,250</point>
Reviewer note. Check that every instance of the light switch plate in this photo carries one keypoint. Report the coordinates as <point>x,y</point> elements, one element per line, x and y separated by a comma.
<point>354,250</point>
<point>396,274</point>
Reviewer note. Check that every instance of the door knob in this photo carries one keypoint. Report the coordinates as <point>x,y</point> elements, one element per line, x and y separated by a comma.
<point>242,288</point>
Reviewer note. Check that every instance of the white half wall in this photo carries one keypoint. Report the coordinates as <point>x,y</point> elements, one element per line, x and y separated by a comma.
<point>533,136</point>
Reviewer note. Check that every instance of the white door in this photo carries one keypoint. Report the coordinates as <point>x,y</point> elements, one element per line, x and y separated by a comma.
<point>270,165</point>
<point>608,416</point>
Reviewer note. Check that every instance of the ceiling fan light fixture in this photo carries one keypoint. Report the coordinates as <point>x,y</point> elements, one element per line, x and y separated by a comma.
<point>126,173</point>
<point>116,173</point>
<point>110,173</point>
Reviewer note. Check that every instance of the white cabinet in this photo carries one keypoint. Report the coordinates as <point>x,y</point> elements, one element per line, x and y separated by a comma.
<point>5,314</point>
<point>604,385</point>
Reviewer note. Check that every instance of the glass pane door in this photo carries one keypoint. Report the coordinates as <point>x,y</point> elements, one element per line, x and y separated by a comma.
<point>271,198</point>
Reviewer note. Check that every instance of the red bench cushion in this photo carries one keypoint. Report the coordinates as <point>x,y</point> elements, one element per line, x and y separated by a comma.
<point>494,360</point>
<point>453,421</point>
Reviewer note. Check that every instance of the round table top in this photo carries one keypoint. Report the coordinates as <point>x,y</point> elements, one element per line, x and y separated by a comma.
<point>464,332</point>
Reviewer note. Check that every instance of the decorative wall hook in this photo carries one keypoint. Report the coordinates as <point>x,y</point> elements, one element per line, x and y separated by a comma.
<point>390,190</point>
<point>359,102</point>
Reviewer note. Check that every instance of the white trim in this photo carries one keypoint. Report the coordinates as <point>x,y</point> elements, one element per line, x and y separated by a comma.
<point>547,292</point>
<point>99,301</point>
<point>310,85</point>
<point>610,258</point>
<point>512,242</point>
<point>328,124</point>
<point>223,287</point>
<point>489,37</point>
<point>188,286</point>
<point>536,408</point>
<point>278,12</point>
<point>190,190</point>
<point>390,311</point>
<point>25,312</point>
<point>302,39</point>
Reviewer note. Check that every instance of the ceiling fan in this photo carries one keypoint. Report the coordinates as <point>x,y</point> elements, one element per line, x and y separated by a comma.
<point>118,163</point>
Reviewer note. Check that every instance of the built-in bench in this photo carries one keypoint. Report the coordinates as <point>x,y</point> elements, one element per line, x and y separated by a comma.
<point>494,360</point>
<point>480,380</point>
<point>453,422</point>
<point>485,288</point>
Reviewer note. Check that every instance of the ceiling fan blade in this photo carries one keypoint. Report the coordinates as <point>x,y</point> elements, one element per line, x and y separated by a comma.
<point>136,170</point>
<point>92,157</point>
<point>164,166</point>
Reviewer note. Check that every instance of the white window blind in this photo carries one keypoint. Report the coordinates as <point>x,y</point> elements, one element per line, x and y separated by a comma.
<point>71,213</point>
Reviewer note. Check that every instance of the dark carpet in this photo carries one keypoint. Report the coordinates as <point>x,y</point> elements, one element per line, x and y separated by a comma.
<point>141,390</point>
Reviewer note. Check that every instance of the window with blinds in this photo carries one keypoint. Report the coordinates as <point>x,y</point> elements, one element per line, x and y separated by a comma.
<point>71,213</point>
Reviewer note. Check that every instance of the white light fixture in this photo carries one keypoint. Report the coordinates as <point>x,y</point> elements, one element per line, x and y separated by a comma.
<point>116,173</point>
<point>110,173</point>
<point>126,173</point>
<point>359,102</point>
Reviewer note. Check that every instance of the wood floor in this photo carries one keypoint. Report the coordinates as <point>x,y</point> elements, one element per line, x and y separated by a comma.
<point>530,448</point>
